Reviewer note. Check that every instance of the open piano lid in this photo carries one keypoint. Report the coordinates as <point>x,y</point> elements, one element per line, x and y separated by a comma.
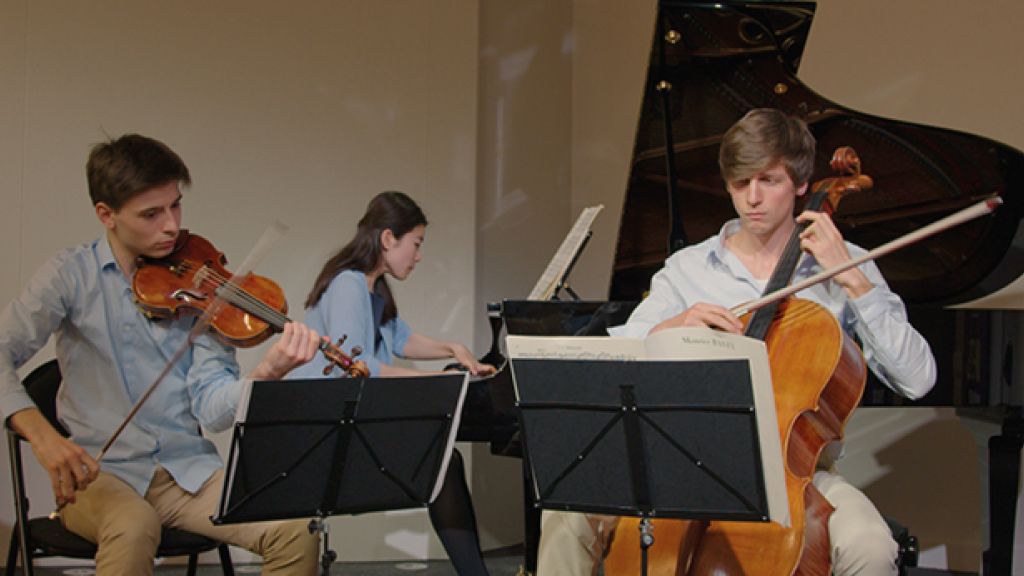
<point>722,59</point>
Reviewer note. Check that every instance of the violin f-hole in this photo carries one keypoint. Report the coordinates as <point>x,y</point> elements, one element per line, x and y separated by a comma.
<point>187,296</point>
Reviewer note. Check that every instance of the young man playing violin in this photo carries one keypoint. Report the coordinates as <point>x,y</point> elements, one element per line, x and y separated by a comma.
<point>160,471</point>
<point>766,160</point>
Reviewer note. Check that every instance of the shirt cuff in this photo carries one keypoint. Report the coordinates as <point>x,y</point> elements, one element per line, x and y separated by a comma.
<point>15,403</point>
<point>619,330</point>
<point>870,305</point>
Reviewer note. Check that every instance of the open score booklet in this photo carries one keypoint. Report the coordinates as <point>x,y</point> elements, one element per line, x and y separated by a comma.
<point>684,344</point>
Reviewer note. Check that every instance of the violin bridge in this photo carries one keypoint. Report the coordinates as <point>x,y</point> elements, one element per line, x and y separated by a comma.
<point>200,276</point>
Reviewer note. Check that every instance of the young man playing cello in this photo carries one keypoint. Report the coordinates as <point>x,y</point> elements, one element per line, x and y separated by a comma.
<point>160,471</point>
<point>766,160</point>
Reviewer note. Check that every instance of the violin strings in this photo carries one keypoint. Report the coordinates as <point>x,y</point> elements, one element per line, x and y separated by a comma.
<point>270,314</point>
<point>247,301</point>
<point>239,296</point>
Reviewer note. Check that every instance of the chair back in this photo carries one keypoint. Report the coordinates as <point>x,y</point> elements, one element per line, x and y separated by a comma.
<point>42,385</point>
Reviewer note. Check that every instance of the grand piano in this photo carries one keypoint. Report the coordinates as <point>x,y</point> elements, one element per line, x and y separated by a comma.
<point>712,62</point>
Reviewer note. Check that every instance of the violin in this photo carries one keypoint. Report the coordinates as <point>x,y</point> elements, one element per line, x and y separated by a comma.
<point>191,277</point>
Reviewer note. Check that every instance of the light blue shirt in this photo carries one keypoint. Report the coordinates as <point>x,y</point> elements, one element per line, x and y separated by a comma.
<point>709,272</point>
<point>109,354</point>
<point>345,309</point>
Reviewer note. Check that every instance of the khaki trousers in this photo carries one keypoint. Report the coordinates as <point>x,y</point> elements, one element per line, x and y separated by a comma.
<point>126,526</point>
<point>573,544</point>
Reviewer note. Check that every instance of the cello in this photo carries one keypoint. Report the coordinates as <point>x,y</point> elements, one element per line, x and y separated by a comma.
<point>818,375</point>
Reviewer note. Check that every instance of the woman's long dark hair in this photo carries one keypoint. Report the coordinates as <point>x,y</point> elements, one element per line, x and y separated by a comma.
<point>387,211</point>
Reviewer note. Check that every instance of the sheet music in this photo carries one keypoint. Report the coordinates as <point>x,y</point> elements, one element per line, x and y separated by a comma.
<point>545,287</point>
<point>685,344</point>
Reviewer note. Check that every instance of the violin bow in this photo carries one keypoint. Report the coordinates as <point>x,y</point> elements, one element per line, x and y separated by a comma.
<point>270,236</point>
<point>973,211</point>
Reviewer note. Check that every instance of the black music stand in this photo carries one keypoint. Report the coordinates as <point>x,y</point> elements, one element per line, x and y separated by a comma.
<point>322,447</point>
<point>674,439</point>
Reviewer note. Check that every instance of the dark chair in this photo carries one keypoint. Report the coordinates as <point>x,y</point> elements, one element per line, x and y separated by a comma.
<point>907,542</point>
<point>38,537</point>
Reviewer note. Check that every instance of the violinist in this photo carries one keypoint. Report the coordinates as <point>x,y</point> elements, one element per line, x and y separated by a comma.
<point>766,160</point>
<point>351,298</point>
<point>161,471</point>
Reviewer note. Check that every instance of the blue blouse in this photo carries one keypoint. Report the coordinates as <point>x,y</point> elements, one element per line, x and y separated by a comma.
<point>345,308</point>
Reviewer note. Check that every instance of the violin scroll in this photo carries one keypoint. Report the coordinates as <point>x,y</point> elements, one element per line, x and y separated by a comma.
<point>354,368</point>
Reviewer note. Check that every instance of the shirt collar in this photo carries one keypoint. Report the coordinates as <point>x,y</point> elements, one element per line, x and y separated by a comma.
<point>105,254</point>
<point>105,257</point>
<point>719,254</point>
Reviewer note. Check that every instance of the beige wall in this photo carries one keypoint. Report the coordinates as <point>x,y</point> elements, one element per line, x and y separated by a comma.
<point>503,119</point>
<point>523,152</point>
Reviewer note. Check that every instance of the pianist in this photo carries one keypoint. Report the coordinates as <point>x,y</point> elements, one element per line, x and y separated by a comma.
<point>766,160</point>
<point>351,297</point>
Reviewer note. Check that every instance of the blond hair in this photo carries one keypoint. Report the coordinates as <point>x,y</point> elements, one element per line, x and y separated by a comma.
<point>763,138</point>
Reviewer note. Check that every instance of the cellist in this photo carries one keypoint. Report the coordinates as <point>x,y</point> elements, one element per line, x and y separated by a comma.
<point>162,470</point>
<point>766,160</point>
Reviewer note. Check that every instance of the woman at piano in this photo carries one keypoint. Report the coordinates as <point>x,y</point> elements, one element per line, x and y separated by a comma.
<point>351,297</point>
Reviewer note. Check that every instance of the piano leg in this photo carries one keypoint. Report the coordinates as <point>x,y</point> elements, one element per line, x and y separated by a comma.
<point>1004,483</point>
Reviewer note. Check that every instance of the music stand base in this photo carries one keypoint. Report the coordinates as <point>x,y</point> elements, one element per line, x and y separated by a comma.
<point>327,556</point>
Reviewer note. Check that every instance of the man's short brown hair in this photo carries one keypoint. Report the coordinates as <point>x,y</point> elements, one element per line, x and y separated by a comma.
<point>120,169</point>
<point>763,138</point>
